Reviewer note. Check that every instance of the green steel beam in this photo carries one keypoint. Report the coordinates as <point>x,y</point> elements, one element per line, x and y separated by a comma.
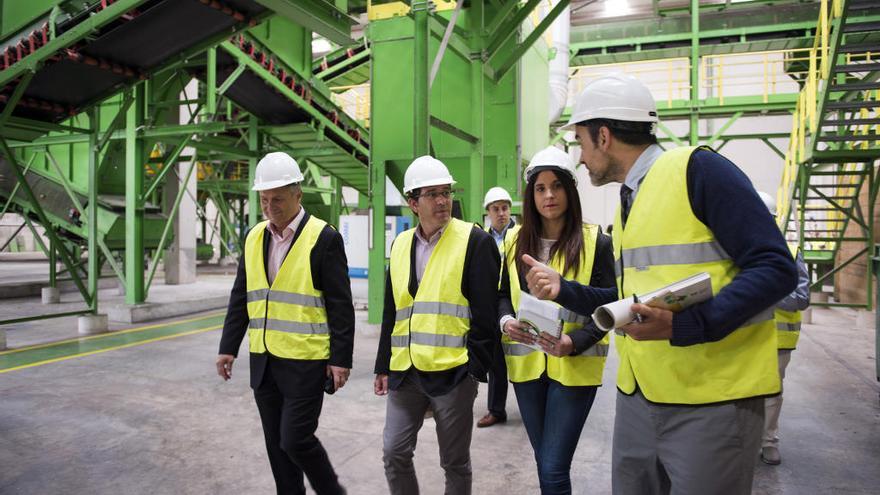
<point>694,78</point>
<point>501,15</point>
<point>92,213</point>
<point>316,15</point>
<point>671,135</point>
<point>510,60</point>
<point>229,81</point>
<point>723,129</point>
<point>160,249</point>
<point>422,90</point>
<point>376,243</point>
<point>348,62</point>
<point>167,165</point>
<point>473,210</point>
<point>253,146</point>
<point>16,187</point>
<point>211,83</point>
<point>36,207</point>
<point>17,93</point>
<point>773,147</point>
<point>508,28</point>
<point>455,131</point>
<point>134,207</point>
<point>291,95</point>
<point>438,30</point>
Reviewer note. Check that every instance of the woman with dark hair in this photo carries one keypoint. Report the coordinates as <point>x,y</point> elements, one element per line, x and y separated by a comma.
<point>555,388</point>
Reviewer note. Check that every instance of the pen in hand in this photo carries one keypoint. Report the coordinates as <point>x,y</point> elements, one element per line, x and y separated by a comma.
<point>636,301</point>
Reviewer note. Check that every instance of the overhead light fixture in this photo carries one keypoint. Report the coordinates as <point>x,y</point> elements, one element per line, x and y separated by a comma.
<point>616,8</point>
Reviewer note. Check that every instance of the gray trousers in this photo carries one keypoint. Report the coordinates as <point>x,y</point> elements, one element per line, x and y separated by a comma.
<point>700,450</point>
<point>454,416</point>
<point>773,405</point>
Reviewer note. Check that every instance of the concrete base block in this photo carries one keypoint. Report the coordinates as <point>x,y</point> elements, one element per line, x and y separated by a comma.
<point>92,324</point>
<point>807,316</point>
<point>865,319</point>
<point>135,313</point>
<point>819,297</point>
<point>51,295</point>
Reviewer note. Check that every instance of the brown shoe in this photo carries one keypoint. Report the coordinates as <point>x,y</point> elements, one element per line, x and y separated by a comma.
<point>489,419</point>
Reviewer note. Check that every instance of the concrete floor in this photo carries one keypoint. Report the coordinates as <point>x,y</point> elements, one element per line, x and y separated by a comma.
<point>156,419</point>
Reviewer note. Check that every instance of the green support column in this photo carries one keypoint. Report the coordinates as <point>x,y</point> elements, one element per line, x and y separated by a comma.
<point>694,137</point>
<point>92,211</point>
<point>211,84</point>
<point>473,208</point>
<point>376,268</point>
<point>253,197</point>
<point>335,202</point>
<point>134,206</point>
<point>421,92</point>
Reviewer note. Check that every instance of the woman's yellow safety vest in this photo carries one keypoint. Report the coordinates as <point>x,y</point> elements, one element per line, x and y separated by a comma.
<point>664,242</point>
<point>523,362</point>
<point>430,329</point>
<point>788,323</point>
<point>287,319</point>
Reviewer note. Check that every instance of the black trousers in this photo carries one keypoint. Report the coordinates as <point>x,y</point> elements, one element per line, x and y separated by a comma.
<point>290,418</point>
<point>498,382</point>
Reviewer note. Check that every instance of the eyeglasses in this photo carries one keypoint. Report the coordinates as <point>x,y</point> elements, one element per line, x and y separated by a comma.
<point>434,195</point>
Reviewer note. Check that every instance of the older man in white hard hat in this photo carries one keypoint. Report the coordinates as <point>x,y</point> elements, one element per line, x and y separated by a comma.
<point>690,407</point>
<point>438,329</point>
<point>293,297</point>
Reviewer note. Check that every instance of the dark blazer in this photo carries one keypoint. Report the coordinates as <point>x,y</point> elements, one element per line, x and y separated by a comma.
<point>480,286</point>
<point>330,275</point>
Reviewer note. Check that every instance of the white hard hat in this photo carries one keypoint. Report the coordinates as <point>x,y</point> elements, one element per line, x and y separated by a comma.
<point>549,158</point>
<point>616,97</point>
<point>426,171</point>
<point>496,194</point>
<point>769,202</point>
<point>276,169</point>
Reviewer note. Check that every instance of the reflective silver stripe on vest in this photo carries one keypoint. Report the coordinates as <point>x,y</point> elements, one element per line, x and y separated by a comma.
<point>290,326</point>
<point>788,327</point>
<point>437,339</point>
<point>433,308</point>
<point>672,254</point>
<point>761,317</point>
<point>296,298</point>
<point>399,340</point>
<point>516,349</point>
<point>572,317</point>
<point>597,350</point>
<point>257,295</point>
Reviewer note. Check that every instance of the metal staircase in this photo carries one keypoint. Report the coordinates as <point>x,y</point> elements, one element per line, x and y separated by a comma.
<point>830,170</point>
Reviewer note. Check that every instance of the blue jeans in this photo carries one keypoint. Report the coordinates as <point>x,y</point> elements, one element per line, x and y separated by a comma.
<point>554,416</point>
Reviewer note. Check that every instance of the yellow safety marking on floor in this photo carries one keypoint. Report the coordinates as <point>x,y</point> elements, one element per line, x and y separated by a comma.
<point>98,351</point>
<point>108,334</point>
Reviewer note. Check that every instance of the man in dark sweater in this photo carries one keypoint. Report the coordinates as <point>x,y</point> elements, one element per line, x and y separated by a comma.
<point>691,384</point>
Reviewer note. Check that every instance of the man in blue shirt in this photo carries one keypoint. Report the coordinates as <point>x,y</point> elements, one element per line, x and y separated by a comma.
<point>681,443</point>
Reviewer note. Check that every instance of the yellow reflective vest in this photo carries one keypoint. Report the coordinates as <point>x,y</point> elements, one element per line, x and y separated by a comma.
<point>664,242</point>
<point>788,323</point>
<point>430,329</point>
<point>287,319</point>
<point>526,364</point>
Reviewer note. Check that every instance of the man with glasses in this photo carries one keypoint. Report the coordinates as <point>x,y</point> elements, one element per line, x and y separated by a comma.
<point>438,328</point>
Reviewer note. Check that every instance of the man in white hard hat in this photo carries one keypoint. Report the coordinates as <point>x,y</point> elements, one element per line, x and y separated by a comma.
<point>438,328</point>
<point>497,203</point>
<point>293,297</point>
<point>788,331</point>
<point>690,407</point>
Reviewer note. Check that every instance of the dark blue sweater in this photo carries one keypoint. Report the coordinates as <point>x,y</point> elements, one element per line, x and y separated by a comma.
<point>723,198</point>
